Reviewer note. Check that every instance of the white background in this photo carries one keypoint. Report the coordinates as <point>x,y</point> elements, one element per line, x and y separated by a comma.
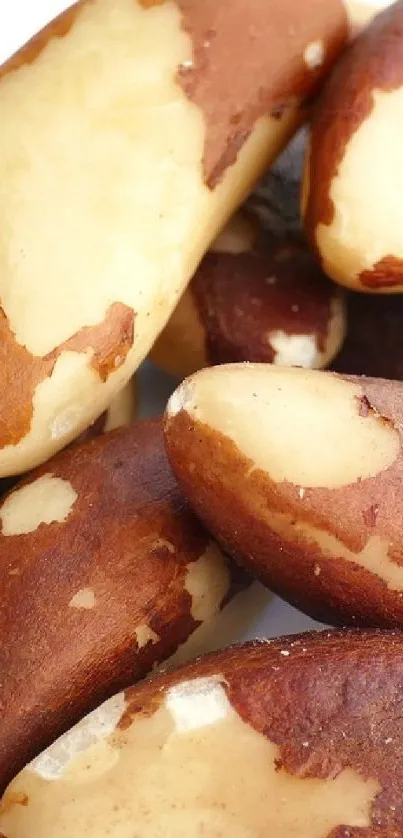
<point>19,20</point>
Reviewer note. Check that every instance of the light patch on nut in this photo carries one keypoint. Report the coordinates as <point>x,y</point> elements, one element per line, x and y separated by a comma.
<point>294,350</point>
<point>65,422</point>
<point>122,409</point>
<point>374,557</point>
<point>180,398</point>
<point>366,225</point>
<point>164,544</point>
<point>207,582</point>
<point>47,500</point>
<point>53,763</point>
<point>144,635</point>
<point>195,704</point>
<point>194,740</point>
<point>301,426</point>
<point>229,625</point>
<point>314,55</point>
<point>84,599</point>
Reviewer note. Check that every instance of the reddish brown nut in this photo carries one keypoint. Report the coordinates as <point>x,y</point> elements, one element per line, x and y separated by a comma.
<point>374,341</point>
<point>353,187</point>
<point>298,737</point>
<point>255,297</point>
<point>104,571</point>
<point>299,474</point>
<point>129,137</point>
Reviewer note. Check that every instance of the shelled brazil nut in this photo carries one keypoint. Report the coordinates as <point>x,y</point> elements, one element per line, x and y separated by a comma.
<point>300,736</point>
<point>128,139</point>
<point>353,184</point>
<point>299,474</point>
<point>255,297</point>
<point>104,572</point>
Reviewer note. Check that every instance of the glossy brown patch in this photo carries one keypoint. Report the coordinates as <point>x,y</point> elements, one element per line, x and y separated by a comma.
<point>373,62</point>
<point>387,273</point>
<point>232,496</point>
<point>249,62</point>
<point>333,701</point>
<point>242,298</point>
<point>374,342</point>
<point>110,341</point>
<point>57,28</point>
<point>130,537</point>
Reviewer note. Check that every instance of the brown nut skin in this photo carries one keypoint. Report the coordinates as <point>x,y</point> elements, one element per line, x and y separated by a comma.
<point>254,298</point>
<point>121,413</point>
<point>308,728</point>
<point>105,571</point>
<point>187,176</point>
<point>299,475</point>
<point>374,341</point>
<point>353,207</point>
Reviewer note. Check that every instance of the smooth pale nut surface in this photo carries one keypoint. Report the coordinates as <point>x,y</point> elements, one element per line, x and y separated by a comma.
<point>109,120</point>
<point>98,725</point>
<point>123,408</point>
<point>47,500</point>
<point>208,582</point>
<point>178,761</point>
<point>367,198</point>
<point>312,434</point>
<point>131,97</point>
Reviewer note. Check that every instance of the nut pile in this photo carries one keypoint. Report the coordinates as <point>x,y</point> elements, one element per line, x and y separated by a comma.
<point>143,217</point>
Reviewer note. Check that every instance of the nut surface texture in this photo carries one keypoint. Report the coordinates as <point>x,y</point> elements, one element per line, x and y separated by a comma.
<point>299,474</point>
<point>301,736</point>
<point>104,572</point>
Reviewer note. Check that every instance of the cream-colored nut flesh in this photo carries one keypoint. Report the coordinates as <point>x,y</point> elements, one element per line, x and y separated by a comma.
<point>310,431</point>
<point>103,202</point>
<point>191,768</point>
<point>47,500</point>
<point>367,198</point>
<point>352,208</point>
<point>362,12</point>
<point>123,409</point>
